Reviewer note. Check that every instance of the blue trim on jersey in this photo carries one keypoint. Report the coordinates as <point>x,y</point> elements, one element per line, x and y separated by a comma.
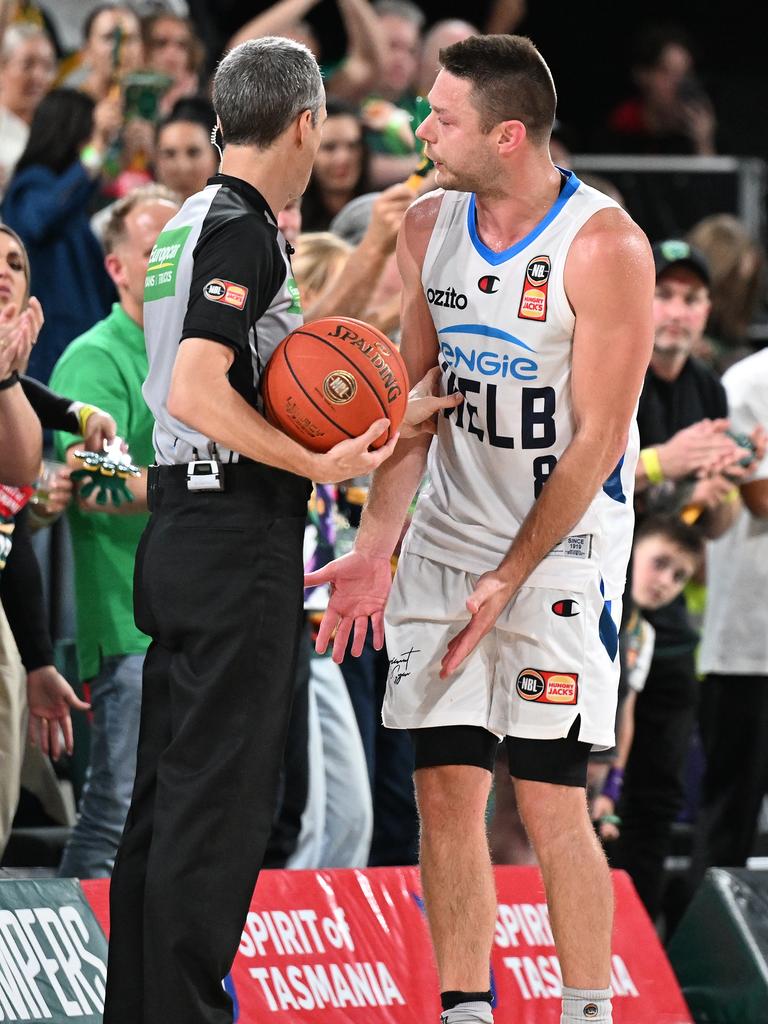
<point>486,332</point>
<point>609,633</point>
<point>613,487</point>
<point>495,258</point>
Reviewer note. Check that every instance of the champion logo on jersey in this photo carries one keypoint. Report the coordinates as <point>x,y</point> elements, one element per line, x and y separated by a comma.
<point>533,301</point>
<point>488,284</point>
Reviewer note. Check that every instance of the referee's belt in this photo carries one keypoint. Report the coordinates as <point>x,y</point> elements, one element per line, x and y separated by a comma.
<point>274,486</point>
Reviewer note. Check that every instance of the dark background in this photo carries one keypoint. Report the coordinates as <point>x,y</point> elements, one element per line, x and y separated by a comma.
<point>588,47</point>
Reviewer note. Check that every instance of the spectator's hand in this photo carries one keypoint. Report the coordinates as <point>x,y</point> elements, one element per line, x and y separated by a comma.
<point>360,584</point>
<point>138,140</point>
<point>18,333</point>
<point>603,807</point>
<point>425,403</point>
<point>59,491</point>
<point>391,120</point>
<point>699,124</point>
<point>100,430</point>
<point>387,216</point>
<point>703,447</point>
<point>107,122</point>
<point>711,492</point>
<point>50,698</point>
<point>351,458</point>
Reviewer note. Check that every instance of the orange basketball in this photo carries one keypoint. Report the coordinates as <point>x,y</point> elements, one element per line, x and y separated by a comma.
<point>331,379</point>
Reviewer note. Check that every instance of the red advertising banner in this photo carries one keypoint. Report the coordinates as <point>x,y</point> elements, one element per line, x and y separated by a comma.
<point>352,947</point>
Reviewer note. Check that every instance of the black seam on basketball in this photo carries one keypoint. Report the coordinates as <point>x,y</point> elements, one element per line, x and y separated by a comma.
<point>311,399</point>
<point>374,392</point>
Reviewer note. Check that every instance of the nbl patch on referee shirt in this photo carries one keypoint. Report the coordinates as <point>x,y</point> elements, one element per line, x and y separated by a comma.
<point>541,687</point>
<point>533,301</point>
<point>226,292</point>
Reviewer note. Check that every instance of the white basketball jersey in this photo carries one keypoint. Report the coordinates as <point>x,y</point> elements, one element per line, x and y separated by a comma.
<point>505,331</point>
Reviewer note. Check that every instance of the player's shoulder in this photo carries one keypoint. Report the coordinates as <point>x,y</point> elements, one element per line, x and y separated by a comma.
<point>610,239</point>
<point>419,222</point>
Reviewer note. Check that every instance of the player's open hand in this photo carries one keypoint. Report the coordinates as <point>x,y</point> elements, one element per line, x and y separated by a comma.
<point>424,403</point>
<point>360,584</point>
<point>488,600</point>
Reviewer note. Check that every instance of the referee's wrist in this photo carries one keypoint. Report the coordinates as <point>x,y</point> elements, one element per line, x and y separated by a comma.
<point>10,380</point>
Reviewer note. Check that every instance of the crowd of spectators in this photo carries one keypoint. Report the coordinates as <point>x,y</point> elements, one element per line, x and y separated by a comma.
<point>106,127</point>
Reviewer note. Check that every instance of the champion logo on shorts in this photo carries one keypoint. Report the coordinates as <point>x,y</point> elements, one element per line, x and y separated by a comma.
<point>591,1010</point>
<point>226,292</point>
<point>542,687</point>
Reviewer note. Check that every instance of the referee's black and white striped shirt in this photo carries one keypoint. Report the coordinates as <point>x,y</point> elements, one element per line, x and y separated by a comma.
<point>219,270</point>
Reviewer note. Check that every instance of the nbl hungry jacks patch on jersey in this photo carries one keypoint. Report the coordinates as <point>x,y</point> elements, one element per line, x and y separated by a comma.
<point>533,301</point>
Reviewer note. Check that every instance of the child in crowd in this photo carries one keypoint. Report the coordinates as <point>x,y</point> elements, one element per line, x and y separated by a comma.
<point>666,554</point>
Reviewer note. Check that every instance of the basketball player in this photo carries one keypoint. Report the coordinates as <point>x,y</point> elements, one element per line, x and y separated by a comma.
<point>533,294</point>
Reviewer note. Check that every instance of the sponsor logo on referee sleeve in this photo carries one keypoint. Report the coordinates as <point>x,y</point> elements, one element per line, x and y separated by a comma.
<point>226,292</point>
<point>163,266</point>
<point>533,301</point>
<point>542,687</point>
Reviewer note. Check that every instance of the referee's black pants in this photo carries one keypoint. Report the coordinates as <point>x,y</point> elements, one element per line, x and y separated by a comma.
<point>218,588</point>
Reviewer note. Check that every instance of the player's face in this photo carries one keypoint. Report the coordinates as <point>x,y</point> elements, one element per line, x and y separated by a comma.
<point>463,155</point>
<point>13,275</point>
<point>680,310</point>
<point>185,158</point>
<point>660,570</point>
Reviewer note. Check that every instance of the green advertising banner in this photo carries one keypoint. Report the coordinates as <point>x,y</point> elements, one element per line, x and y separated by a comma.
<point>53,954</point>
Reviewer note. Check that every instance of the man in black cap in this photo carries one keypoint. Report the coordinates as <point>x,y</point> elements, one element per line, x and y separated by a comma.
<point>688,464</point>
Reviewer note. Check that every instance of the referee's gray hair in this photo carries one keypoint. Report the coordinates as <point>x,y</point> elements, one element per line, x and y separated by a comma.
<point>261,86</point>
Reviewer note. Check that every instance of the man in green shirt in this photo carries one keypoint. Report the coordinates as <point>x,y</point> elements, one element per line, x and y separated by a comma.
<point>107,366</point>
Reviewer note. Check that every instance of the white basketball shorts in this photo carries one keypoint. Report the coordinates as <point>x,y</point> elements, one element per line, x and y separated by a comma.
<point>552,657</point>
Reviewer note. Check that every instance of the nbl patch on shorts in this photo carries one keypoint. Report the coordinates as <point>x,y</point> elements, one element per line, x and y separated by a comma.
<point>541,687</point>
<point>226,292</point>
<point>533,301</point>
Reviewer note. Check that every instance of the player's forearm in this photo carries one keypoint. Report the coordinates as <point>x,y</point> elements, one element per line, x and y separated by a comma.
<point>394,484</point>
<point>581,472</point>
<point>21,436</point>
<point>217,411</point>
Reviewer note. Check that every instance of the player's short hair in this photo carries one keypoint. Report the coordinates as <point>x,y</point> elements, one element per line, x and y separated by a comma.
<point>510,81</point>
<point>114,229</point>
<point>683,535</point>
<point>261,86</point>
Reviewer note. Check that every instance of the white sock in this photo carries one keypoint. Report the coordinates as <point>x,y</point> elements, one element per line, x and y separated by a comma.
<point>585,1006</point>
<point>468,1013</point>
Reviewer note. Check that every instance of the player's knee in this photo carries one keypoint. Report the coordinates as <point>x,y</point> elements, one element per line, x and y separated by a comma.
<point>551,813</point>
<point>451,797</point>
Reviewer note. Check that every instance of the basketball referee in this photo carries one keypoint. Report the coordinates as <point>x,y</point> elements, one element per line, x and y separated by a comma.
<point>218,583</point>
